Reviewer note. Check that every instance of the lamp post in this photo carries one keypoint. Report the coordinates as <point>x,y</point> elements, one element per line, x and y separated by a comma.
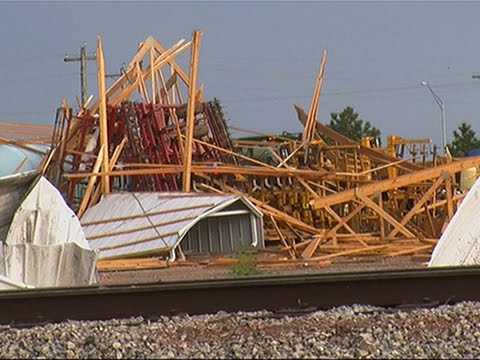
<point>441,104</point>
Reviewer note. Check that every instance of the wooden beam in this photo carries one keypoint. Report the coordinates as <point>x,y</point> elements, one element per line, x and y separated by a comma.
<point>371,204</point>
<point>411,250</point>
<point>151,169</point>
<point>131,86</point>
<point>141,51</point>
<point>141,84</point>
<point>91,182</point>
<point>176,69</point>
<point>166,86</point>
<point>449,196</point>
<point>19,165</point>
<point>382,220</point>
<point>419,204</point>
<point>351,252</point>
<point>343,140</point>
<point>240,156</point>
<point>103,115</point>
<point>309,130</point>
<point>345,225</point>
<point>399,181</point>
<point>125,79</point>
<point>282,238</point>
<point>190,120</point>
<point>111,165</point>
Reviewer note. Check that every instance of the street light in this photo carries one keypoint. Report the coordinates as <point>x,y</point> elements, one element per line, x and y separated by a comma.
<point>441,104</point>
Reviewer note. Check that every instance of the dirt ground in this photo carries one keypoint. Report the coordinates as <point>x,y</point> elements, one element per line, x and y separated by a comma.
<point>208,272</point>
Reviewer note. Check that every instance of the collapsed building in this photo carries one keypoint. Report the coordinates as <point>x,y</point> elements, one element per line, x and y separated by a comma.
<point>321,194</point>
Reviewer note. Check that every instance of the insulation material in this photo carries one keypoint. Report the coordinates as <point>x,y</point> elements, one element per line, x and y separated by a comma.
<point>460,242</point>
<point>46,245</point>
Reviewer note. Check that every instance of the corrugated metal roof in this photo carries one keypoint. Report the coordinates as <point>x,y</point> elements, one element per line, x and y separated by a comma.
<point>123,224</point>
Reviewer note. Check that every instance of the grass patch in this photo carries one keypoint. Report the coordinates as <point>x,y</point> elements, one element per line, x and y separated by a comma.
<point>246,264</point>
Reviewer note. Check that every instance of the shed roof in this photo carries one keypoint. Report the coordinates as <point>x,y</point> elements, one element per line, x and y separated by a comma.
<point>133,223</point>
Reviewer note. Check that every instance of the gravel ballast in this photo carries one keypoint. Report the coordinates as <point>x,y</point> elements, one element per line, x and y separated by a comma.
<point>449,331</point>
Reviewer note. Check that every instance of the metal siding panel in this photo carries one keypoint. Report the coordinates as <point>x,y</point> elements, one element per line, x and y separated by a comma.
<point>213,237</point>
<point>225,240</point>
<point>246,225</point>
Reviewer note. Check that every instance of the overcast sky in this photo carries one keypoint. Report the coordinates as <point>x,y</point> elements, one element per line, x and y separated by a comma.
<point>259,58</point>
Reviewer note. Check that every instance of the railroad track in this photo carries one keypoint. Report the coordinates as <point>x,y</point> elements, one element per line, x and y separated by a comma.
<point>282,295</point>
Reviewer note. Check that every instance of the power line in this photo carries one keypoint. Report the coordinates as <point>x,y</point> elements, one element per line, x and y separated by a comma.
<point>351,92</point>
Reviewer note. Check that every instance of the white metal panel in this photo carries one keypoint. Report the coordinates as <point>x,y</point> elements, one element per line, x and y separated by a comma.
<point>46,245</point>
<point>460,242</point>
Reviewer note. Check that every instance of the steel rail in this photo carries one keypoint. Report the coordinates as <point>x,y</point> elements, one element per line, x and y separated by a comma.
<point>387,288</point>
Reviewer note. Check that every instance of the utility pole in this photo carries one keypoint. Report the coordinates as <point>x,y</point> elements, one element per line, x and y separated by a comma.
<point>83,58</point>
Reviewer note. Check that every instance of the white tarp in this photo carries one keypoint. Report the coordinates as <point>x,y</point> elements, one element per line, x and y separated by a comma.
<point>46,245</point>
<point>460,242</point>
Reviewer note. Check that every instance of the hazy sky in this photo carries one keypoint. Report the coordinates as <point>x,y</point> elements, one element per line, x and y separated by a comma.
<point>259,58</point>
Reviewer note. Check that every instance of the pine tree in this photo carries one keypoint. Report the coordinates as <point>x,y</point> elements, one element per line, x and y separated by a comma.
<point>349,124</point>
<point>464,140</point>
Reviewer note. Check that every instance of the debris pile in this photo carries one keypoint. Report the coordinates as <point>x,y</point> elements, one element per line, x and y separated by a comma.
<point>322,194</point>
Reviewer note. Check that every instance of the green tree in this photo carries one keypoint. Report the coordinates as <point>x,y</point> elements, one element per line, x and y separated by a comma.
<point>349,124</point>
<point>464,140</point>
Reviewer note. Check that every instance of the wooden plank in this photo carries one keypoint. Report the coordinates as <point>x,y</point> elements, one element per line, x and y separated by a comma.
<point>310,249</point>
<point>113,162</point>
<point>141,51</point>
<point>103,116</point>
<point>343,140</point>
<point>449,197</point>
<point>20,144</point>
<point>240,156</point>
<point>190,120</point>
<point>125,80</point>
<point>351,252</point>
<point>141,84</point>
<point>312,246</point>
<point>418,205</point>
<point>166,85</point>
<point>282,238</point>
<point>131,264</point>
<point>345,225</point>
<point>151,169</point>
<point>19,165</point>
<point>160,61</point>
<point>176,69</point>
<point>382,220</point>
<point>309,130</point>
<point>399,181</point>
<point>411,250</point>
<point>91,182</point>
